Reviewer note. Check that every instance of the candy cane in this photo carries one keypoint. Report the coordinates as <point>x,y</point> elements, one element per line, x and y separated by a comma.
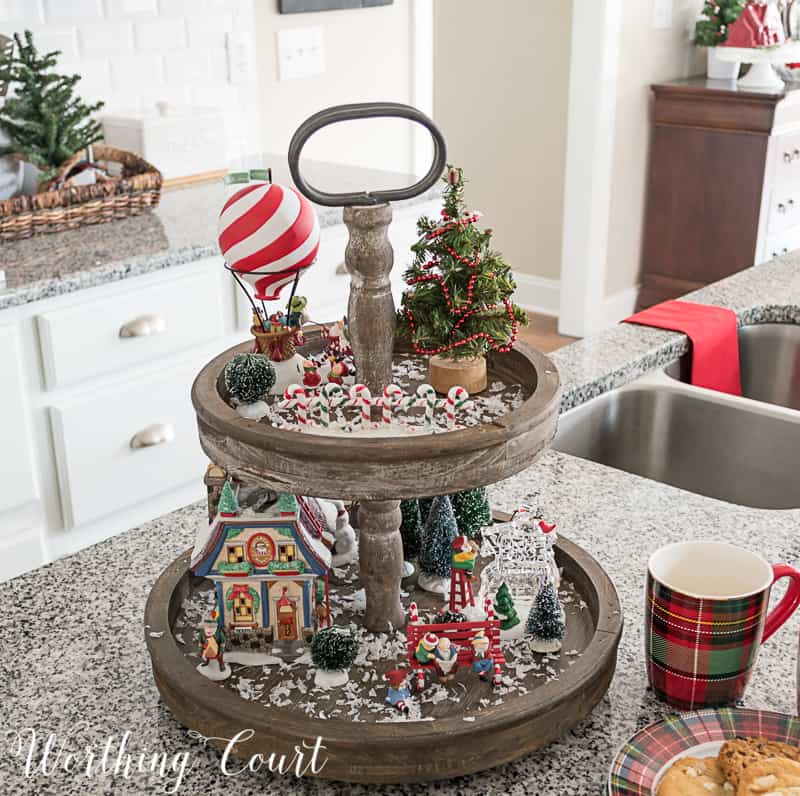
<point>321,405</point>
<point>413,613</point>
<point>299,397</point>
<point>456,398</point>
<point>426,396</point>
<point>360,397</point>
<point>489,608</point>
<point>392,395</point>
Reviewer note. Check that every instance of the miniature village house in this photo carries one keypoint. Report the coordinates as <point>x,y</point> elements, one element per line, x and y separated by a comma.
<point>269,569</point>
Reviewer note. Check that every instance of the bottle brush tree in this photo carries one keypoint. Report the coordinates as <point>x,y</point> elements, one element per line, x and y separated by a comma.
<point>437,537</point>
<point>716,17</point>
<point>334,648</point>
<point>410,528</point>
<point>472,511</point>
<point>228,504</point>
<point>458,303</point>
<point>545,620</point>
<point>504,606</point>
<point>44,120</point>
<point>249,377</point>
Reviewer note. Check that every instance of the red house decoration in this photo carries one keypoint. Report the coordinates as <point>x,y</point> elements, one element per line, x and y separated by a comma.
<point>759,25</point>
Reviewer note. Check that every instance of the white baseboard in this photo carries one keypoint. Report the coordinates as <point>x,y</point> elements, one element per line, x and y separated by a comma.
<point>537,293</point>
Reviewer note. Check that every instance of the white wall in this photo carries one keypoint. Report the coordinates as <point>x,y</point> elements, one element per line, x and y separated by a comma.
<point>368,56</point>
<point>134,53</point>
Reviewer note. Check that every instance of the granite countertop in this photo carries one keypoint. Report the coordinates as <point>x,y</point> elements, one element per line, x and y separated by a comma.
<point>183,228</point>
<point>73,640</point>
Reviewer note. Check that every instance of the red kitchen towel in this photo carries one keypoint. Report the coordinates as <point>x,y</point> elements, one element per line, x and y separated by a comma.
<point>715,340</point>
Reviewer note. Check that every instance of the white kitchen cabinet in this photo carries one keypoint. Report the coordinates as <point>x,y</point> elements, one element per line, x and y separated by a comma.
<point>18,484</point>
<point>137,325</point>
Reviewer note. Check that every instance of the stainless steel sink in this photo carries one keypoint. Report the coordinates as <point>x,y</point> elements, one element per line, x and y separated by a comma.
<point>744,454</point>
<point>769,357</point>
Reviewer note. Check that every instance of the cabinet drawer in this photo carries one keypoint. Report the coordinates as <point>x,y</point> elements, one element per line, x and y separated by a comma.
<point>139,325</point>
<point>784,208</point>
<point>17,480</point>
<point>782,243</point>
<point>786,154</point>
<point>100,470</point>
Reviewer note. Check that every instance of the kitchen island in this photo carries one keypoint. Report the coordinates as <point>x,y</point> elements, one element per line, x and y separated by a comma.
<point>75,662</point>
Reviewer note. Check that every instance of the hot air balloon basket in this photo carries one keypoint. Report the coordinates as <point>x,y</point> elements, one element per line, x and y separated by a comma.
<point>135,188</point>
<point>276,344</point>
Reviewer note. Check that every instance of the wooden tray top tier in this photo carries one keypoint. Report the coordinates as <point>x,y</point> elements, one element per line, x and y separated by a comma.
<point>383,751</point>
<point>383,468</point>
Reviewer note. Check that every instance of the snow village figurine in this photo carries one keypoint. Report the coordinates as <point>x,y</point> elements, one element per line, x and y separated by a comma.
<point>445,656</point>
<point>462,564</point>
<point>546,620</point>
<point>265,566</point>
<point>333,651</point>
<point>437,537</point>
<point>472,511</point>
<point>398,692</point>
<point>212,650</point>
<point>424,652</point>
<point>504,607</point>
<point>482,662</point>
<point>311,377</point>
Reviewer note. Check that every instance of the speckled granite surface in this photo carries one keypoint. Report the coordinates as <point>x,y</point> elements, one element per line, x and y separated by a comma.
<point>182,229</point>
<point>74,652</point>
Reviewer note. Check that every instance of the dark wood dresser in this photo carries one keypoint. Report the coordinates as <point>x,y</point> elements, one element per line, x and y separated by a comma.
<point>723,185</point>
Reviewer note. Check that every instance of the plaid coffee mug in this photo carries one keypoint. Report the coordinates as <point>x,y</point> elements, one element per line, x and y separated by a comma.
<point>706,617</point>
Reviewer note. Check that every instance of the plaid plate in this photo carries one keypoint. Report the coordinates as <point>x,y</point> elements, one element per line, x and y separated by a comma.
<point>638,762</point>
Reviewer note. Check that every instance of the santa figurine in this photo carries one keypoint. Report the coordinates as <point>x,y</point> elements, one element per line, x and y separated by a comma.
<point>311,377</point>
<point>482,662</point>
<point>398,692</point>
<point>463,555</point>
<point>446,660</point>
<point>426,647</point>
<point>338,372</point>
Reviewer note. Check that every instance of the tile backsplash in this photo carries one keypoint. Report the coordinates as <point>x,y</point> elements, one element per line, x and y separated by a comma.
<point>134,53</point>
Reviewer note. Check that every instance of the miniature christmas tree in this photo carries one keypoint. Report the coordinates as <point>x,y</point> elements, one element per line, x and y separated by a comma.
<point>504,607</point>
<point>448,617</point>
<point>410,528</point>
<point>472,511</point>
<point>716,17</point>
<point>44,121</point>
<point>437,537</point>
<point>334,649</point>
<point>249,377</point>
<point>546,620</point>
<point>459,299</point>
<point>287,503</point>
<point>228,504</point>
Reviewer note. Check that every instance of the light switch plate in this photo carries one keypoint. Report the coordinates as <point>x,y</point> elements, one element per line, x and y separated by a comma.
<point>241,63</point>
<point>301,53</point>
<point>662,14</point>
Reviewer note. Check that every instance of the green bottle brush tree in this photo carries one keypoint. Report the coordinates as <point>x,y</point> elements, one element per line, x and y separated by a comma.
<point>44,120</point>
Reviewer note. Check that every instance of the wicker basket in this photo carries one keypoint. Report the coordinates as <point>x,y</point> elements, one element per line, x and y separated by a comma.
<point>136,189</point>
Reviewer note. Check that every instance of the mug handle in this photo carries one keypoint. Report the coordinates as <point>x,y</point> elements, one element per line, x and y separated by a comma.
<point>790,602</point>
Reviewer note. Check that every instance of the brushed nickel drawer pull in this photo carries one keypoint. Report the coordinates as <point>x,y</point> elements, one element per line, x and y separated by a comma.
<point>787,157</point>
<point>143,326</point>
<point>157,434</point>
<point>781,207</point>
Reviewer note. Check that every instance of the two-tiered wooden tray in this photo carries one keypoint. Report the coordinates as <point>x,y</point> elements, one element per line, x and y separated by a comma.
<point>378,471</point>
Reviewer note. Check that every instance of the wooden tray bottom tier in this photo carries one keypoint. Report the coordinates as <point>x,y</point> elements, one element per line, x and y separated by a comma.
<point>454,729</point>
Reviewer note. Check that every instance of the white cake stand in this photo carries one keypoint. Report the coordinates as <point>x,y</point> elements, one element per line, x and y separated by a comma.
<point>761,60</point>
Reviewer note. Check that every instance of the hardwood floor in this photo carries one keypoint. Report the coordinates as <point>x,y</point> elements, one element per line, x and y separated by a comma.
<point>542,333</point>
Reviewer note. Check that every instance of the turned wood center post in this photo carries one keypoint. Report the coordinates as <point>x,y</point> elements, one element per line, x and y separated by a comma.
<point>369,259</point>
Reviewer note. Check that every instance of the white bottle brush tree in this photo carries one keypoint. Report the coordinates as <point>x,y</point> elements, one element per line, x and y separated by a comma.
<point>44,120</point>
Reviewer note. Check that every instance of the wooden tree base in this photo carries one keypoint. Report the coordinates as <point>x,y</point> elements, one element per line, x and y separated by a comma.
<point>444,373</point>
<point>464,737</point>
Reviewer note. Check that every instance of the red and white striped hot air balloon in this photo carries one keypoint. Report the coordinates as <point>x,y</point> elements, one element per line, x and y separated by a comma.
<point>267,233</point>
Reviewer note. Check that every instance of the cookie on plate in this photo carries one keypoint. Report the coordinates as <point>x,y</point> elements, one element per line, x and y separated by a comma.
<point>695,776</point>
<point>775,776</point>
<point>737,755</point>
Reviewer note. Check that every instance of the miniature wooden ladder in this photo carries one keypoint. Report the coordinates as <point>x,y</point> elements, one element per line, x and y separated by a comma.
<point>460,590</point>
